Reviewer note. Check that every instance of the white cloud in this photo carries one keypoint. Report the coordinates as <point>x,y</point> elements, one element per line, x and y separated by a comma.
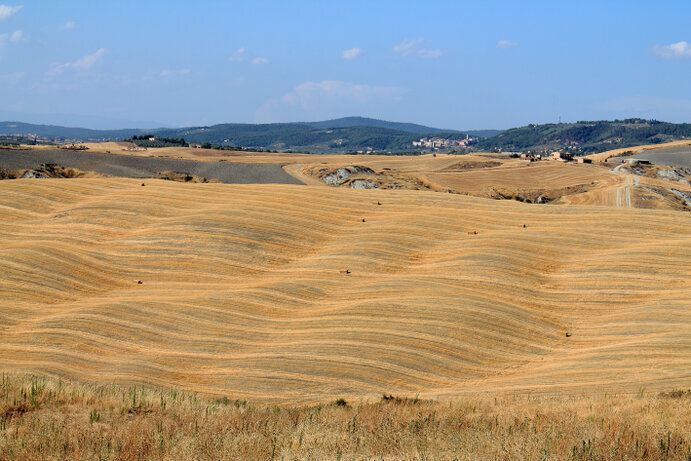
<point>308,94</point>
<point>673,50</point>
<point>506,44</point>
<point>429,54</point>
<point>7,11</point>
<point>171,73</point>
<point>317,100</point>
<point>242,55</point>
<point>405,47</point>
<point>12,38</point>
<point>67,26</point>
<point>83,63</point>
<point>16,36</point>
<point>414,48</point>
<point>88,61</point>
<point>238,56</point>
<point>352,53</point>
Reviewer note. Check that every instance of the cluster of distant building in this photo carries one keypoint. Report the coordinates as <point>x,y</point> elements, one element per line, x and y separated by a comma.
<point>367,150</point>
<point>558,156</point>
<point>440,143</point>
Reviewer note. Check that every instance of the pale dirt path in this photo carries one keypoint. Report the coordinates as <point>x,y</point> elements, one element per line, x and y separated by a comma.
<point>623,192</point>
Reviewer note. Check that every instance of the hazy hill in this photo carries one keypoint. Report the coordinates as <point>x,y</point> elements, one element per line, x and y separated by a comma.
<point>64,133</point>
<point>596,136</point>
<point>338,135</point>
<point>350,122</point>
<point>305,137</point>
<point>358,133</point>
<point>341,135</point>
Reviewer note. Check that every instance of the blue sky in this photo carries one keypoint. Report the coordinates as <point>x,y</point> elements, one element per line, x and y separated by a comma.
<point>448,64</point>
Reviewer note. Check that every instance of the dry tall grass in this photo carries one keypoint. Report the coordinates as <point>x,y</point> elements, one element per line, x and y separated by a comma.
<point>48,419</point>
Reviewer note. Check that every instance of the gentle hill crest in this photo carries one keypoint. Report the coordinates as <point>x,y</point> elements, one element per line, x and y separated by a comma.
<point>350,122</point>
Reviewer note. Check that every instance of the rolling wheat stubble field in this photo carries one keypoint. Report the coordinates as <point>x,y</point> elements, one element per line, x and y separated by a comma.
<point>297,295</point>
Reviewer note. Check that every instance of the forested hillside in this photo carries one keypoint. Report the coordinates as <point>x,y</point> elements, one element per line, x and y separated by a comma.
<point>587,137</point>
<point>354,134</point>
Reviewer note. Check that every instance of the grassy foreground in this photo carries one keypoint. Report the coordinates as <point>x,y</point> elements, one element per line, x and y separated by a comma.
<point>49,419</point>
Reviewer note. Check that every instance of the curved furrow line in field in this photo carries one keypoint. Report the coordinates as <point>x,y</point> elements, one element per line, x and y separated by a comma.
<point>465,321</point>
<point>245,289</point>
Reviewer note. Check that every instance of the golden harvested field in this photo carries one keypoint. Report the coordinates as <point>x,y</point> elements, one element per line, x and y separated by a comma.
<point>542,176</point>
<point>245,291</point>
<point>479,174</point>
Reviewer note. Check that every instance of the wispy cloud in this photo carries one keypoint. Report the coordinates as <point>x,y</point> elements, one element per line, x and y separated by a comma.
<point>308,94</point>
<point>352,53</point>
<point>242,55</point>
<point>315,100</point>
<point>415,48</point>
<point>673,50</point>
<point>506,44</point>
<point>16,36</point>
<point>171,73</point>
<point>84,63</point>
<point>67,26</point>
<point>6,11</point>
<point>88,61</point>
<point>238,56</point>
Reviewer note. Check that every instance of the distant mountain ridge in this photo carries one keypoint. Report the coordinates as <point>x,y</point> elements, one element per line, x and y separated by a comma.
<point>339,135</point>
<point>352,134</point>
<point>63,132</point>
<point>345,122</point>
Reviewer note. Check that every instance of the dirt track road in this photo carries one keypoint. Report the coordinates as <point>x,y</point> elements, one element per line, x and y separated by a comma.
<point>623,193</point>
